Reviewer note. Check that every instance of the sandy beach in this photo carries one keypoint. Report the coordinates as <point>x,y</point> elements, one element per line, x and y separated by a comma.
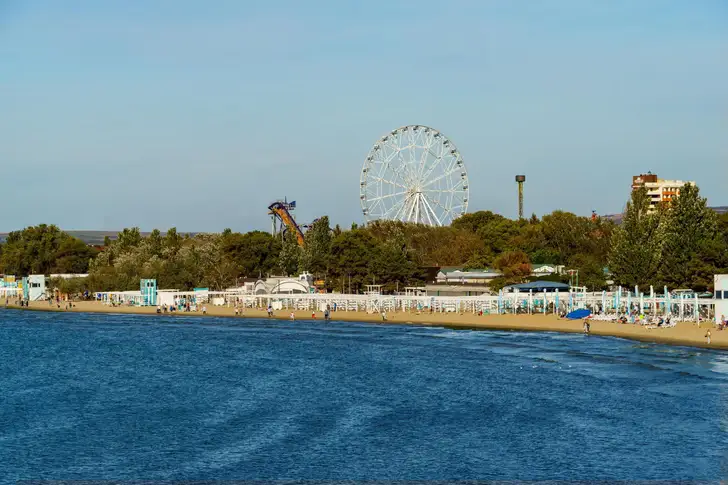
<point>684,333</point>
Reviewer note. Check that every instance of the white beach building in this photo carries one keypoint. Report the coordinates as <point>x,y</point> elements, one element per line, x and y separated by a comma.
<point>721,296</point>
<point>36,287</point>
<point>472,276</point>
<point>274,285</point>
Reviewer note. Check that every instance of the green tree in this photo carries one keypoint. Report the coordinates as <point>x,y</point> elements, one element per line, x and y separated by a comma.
<point>254,253</point>
<point>690,229</point>
<point>314,257</point>
<point>392,266</point>
<point>568,235</point>
<point>172,241</point>
<point>289,255</point>
<point>475,220</point>
<point>44,249</point>
<point>591,271</point>
<point>637,243</point>
<point>351,253</point>
<point>480,260</point>
<point>514,265</point>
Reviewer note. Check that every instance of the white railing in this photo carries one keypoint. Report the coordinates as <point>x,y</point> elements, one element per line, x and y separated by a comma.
<point>607,305</point>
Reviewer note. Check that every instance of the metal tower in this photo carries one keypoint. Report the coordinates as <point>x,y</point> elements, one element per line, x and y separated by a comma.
<point>520,180</point>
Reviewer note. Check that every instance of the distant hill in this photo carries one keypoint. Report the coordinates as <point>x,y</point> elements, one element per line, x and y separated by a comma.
<point>95,238</point>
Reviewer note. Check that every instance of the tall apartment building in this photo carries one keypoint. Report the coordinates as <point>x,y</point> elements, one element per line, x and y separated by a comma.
<point>659,190</point>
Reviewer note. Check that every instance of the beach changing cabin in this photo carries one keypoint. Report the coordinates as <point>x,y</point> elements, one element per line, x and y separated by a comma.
<point>148,289</point>
<point>35,287</point>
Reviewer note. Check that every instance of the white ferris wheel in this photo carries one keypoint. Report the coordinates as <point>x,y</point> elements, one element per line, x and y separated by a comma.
<point>414,174</point>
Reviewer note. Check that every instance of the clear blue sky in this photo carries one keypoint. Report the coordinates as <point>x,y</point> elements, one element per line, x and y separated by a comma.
<point>197,114</point>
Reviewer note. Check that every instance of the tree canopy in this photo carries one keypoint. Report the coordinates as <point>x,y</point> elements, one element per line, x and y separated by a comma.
<point>44,249</point>
<point>680,245</point>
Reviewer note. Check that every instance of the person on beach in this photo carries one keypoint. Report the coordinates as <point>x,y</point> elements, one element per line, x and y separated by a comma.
<point>586,327</point>
<point>237,312</point>
<point>384,316</point>
<point>204,310</point>
<point>326,314</point>
<point>293,316</point>
<point>313,314</point>
<point>707,337</point>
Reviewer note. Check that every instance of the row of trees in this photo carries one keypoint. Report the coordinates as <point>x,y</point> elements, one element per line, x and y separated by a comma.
<point>681,246</point>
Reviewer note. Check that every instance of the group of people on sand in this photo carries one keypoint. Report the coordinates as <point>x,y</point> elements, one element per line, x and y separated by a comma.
<point>67,304</point>
<point>660,321</point>
<point>171,308</point>
<point>164,309</point>
<point>722,324</point>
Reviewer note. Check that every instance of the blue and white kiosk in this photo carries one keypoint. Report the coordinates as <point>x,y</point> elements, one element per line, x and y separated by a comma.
<point>148,290</point>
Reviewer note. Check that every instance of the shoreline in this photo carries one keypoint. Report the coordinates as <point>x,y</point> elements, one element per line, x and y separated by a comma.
<point>683,334</point>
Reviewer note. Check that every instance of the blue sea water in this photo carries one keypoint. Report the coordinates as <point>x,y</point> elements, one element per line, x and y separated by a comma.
<point>162,398</point>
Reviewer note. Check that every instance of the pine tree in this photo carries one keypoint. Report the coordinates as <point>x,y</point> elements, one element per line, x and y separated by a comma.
<point>691,227</point>
<point>637,243</point>
<point>290,254</point>
<point>314,257</point>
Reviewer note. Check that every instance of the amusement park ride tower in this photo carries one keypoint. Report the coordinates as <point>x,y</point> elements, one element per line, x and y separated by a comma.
<point>520,180</point>
<point>282,219</point>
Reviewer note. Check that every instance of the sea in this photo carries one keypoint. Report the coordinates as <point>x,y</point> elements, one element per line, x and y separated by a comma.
<point>153,397</point>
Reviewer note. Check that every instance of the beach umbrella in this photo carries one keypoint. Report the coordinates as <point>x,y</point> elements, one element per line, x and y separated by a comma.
<point>682,305</point>
<point>617,297</point>
<point>697,310</point>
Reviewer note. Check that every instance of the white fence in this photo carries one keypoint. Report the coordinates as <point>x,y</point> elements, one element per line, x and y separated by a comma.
<point>607,304</point>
